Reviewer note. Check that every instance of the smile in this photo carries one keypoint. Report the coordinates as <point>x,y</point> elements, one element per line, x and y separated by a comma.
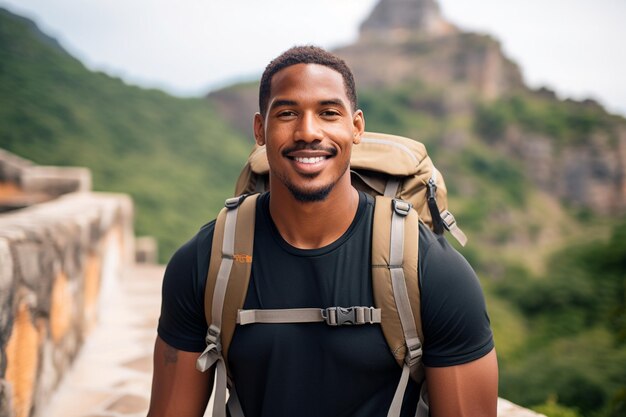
<point>313,160</point>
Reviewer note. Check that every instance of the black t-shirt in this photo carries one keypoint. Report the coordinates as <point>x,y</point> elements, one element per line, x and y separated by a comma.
<point>311,369</point>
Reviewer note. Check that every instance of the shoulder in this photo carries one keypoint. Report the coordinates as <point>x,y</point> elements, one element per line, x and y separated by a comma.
<point>182,323</point>
<point>438,258</point>
<point>190,256</point>
<point>454,315</point>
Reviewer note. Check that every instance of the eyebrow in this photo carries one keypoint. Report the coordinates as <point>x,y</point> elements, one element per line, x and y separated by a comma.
<point>280,103</point>
<point>333,102</point>
<point>330,102</point>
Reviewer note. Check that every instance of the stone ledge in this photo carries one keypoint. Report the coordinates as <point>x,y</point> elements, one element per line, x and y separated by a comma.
<point>27,184</point>
<point>508,409</point>
<point>56,180</point>
<point>56,258</point>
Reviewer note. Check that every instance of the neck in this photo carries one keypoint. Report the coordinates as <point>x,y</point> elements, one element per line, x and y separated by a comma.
<point>312,225</point>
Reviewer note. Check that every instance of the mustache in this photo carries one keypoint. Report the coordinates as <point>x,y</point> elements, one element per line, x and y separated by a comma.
<point>310,147</point>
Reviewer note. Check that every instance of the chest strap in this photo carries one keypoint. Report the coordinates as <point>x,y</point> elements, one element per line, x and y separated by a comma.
<point>333,316</point>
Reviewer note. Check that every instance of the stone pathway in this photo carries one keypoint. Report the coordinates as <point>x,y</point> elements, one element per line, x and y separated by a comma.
<point>112,375</point>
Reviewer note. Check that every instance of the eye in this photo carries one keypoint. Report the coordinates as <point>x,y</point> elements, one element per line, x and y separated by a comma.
<point>330,114</point>
<point>286,114</point>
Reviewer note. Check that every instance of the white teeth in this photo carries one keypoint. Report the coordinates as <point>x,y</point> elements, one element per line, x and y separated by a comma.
<point>314,160</point>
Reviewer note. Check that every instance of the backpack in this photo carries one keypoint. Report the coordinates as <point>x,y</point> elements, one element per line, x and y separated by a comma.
<point>407,187</point>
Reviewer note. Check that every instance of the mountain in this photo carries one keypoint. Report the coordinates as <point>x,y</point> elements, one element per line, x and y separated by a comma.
<point>168,153</point>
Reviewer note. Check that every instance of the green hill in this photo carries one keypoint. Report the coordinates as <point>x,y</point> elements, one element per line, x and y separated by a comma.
<point>174,156</point>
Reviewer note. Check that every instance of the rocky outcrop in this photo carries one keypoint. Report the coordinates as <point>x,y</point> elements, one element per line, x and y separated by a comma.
<point>405,40</point>
<point>465,61</point>
<point>587,176</point>
<point>237,105</point>
<point>399,19</point>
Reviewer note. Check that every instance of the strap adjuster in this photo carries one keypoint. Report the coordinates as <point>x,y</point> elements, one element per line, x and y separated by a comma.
<point>413,351</point>
<point>401,207</point>
<point>234,202</point>
<point>448,219</point>
<point>212,334</point>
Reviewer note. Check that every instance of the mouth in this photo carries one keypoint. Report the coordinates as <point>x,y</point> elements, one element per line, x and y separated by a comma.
<point>309,159</point>
<point>309,154</point>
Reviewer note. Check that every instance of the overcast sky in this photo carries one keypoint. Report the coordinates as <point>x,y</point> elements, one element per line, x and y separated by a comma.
<point>188,47</point>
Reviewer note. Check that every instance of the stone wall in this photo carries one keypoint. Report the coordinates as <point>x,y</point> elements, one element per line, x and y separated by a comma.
<point>22,183</point>
<point>56,259</point>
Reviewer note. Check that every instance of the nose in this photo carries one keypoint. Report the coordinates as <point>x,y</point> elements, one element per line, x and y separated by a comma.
<point>309,129</point>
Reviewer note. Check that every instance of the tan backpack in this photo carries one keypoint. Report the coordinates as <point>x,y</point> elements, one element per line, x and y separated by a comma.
<point>408,188</point>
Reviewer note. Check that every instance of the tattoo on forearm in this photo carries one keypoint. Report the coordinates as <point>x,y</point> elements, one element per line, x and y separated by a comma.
<point>170,355</point>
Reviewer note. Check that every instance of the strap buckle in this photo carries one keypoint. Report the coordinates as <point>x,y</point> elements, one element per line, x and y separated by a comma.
<point>401,207</point>
<point>339,316</point>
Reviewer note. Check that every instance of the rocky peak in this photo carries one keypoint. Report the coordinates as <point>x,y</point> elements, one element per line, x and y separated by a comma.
<point>411,40</point>
<point>403,18</point>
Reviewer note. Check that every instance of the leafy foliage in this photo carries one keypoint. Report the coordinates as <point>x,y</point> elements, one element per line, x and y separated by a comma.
<point>567,122</point>
<point>576,349</point>
<point>168,153</point>
<point>552,408</point>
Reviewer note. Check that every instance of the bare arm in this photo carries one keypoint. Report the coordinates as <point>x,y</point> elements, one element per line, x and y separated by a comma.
<point>178,388</point>
<point>468,390</point>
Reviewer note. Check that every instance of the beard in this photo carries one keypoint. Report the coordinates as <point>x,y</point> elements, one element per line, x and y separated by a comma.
<point>311,195</point>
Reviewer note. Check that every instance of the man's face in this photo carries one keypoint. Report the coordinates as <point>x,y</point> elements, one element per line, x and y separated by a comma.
<point>308,131</point>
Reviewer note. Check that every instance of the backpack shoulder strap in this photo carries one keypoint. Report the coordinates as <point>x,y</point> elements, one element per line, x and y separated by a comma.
<point>227,283</point>
<point>395,280</point>
<point>395,239</point>
<point>233,242</point>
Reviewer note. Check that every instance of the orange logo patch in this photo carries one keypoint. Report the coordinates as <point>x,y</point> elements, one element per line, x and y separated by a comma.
<point>242,258</point>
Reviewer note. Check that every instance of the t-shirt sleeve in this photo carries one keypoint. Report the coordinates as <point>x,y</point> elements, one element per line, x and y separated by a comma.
<point>182,323</point>
<point>454,315</point>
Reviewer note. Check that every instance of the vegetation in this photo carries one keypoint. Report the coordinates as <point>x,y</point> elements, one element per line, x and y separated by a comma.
<point>566,122</point>
<point>576,351</point>
<point>168,153</point>
<point>409,109</point>
<point>558,311</point>
<point>561,334</point>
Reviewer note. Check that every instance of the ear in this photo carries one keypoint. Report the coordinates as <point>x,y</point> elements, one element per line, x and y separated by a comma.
<point>259,129</point>
<point>358,123</point>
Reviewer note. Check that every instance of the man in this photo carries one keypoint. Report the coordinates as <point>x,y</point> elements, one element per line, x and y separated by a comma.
<point>312,247</point>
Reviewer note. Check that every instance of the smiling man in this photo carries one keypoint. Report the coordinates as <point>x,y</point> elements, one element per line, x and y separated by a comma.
<point>312,245</point>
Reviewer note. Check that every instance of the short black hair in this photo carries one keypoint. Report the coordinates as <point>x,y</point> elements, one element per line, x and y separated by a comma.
<point>305,55</point>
